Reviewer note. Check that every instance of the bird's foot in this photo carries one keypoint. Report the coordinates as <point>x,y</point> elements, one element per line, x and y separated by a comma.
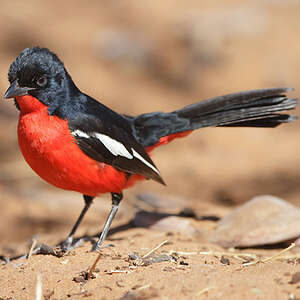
<point>94,248</point>
<point>97,246</point>
<point>67,245</point>
<point>48,250</point>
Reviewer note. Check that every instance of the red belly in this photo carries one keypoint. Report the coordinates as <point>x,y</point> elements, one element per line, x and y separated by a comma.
<point>51,151</point>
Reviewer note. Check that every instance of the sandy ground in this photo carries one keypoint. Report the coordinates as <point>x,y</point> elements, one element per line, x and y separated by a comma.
<point>185,266</point>
<point>169,55</point>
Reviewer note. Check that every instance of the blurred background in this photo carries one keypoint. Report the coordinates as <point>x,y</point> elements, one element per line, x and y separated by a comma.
<point>142,56</point>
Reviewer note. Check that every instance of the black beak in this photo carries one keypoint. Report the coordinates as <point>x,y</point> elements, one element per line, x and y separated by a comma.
<point>15,90</point>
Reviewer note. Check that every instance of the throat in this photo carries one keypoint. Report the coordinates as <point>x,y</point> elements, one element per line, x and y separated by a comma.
<point>29,104</point>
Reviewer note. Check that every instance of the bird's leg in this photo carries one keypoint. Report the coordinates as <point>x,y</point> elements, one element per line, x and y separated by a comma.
<point>116,199</point>
<point>66,245</point>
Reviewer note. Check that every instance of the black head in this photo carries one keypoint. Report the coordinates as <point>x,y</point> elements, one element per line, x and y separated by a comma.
<point>40,73</point>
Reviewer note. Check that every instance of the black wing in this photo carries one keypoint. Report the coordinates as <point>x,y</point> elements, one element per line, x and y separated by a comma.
<point>107,137</point>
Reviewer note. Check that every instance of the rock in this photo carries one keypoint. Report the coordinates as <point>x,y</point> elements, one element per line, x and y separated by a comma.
<point>297,242</point>
<point>165,222</point>
<point>263,220</point>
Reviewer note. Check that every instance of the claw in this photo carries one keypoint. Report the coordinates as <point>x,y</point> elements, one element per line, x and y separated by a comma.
<point>67,244</point>
<point>48,250</point>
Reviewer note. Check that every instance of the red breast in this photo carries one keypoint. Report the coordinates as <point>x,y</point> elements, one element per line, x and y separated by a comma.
<point>51,151</point>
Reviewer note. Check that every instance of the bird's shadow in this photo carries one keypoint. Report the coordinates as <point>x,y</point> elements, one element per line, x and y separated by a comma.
<point>150,217</point>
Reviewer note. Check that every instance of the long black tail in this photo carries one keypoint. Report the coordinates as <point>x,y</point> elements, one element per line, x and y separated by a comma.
<point>256,108</point>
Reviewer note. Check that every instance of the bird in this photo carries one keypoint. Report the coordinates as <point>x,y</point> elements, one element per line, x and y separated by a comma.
<point>76,143</point>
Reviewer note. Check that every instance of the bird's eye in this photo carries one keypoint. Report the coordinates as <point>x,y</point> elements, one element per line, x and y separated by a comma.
<point>42,81</point>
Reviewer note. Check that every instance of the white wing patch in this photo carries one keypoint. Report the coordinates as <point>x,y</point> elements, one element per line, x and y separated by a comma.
<point>80,133</point>
<point>138,156</point>
<point>114,147</point>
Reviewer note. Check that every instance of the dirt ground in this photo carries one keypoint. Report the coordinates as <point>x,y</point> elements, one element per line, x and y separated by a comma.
<point>136,57</point>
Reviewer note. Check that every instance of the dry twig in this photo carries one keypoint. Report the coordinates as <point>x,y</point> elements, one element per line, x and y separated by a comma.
<point>34,242</point>
<point>271,257</point>
<point>205,290</point>
<point>38,288</point>
<point>154,249</point>
<point>93,267</point>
